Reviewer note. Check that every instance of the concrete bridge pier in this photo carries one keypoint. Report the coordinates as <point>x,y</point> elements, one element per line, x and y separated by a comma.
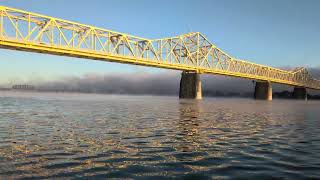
<point>190,86</point>
<point>263,91</point>
<point>300,93</point>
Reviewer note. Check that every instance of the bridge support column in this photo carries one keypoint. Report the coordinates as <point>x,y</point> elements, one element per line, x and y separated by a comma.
<point>190,86</point>
<point>300,93</point>
<point>263,91</point>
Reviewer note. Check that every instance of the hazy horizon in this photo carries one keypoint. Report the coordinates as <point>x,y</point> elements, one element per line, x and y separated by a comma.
<point>160,83</point>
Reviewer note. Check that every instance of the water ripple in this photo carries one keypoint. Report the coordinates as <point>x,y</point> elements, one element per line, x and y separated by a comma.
<point>49,136</point>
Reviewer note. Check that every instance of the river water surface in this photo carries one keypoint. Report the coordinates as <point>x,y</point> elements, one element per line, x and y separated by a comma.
<point>58,136</point>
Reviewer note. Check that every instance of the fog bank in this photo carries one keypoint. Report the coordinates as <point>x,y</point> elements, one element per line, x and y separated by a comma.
<point>164,83</point>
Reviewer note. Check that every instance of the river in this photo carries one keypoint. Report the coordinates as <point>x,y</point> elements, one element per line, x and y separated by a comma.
<point>70,135</point>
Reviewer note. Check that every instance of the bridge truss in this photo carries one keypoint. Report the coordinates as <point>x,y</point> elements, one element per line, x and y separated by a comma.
<point>26,31</point>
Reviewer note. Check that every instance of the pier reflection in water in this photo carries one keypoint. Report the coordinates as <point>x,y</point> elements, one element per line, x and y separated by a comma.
<point>77,135</point>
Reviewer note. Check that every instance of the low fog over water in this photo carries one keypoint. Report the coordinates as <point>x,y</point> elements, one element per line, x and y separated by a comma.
<point>161,83</point>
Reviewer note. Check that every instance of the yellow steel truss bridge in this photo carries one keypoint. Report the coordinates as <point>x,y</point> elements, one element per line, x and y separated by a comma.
<point>26,31</point>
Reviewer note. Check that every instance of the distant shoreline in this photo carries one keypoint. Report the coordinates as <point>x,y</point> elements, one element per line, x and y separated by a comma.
<point>277,95</point>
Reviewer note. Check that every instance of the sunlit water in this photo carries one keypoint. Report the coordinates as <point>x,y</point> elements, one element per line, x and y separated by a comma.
<point>48,135</point>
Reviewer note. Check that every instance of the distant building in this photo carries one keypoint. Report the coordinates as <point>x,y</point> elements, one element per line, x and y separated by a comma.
<point>23,87</point>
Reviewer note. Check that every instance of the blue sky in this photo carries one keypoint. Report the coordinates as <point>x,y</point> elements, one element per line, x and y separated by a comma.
<point>272,32</point>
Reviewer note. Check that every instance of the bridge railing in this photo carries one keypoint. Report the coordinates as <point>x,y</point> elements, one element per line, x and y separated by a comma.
<point>192,52</point>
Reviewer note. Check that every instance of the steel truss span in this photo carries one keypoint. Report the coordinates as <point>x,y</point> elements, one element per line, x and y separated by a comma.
<point>26,31</point>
